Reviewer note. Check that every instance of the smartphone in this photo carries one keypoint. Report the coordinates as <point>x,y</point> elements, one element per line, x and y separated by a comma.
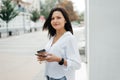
<point>43,50</point>
<point>39,53</point>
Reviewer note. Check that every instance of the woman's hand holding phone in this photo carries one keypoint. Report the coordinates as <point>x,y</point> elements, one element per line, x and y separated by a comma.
<point>41,55</point>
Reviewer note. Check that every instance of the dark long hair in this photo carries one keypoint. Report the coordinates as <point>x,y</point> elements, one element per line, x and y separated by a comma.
<point>51,30</point>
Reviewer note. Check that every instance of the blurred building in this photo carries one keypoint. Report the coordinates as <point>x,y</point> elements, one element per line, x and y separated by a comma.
<point>21,22</point>
<point>28,5</point>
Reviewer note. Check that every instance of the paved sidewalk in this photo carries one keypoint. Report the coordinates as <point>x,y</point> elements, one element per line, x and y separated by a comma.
<point>17,59</point>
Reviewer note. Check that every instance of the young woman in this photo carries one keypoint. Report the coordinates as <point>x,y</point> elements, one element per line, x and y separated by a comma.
<point>62,54</point>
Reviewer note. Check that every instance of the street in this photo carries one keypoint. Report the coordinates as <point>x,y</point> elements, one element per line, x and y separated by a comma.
<point>18,60</point>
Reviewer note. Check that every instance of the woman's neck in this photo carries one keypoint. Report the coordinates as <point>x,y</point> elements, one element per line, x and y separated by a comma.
<point>60,32</point>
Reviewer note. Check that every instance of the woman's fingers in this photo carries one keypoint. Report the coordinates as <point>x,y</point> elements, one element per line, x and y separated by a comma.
<point>40,58</point>
<point>49,58</point>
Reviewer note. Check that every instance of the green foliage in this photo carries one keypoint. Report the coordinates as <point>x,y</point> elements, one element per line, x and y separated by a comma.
<point>47,6</point>
<point>81,17</point>
<point>8,11</point>
<point>35,15</point>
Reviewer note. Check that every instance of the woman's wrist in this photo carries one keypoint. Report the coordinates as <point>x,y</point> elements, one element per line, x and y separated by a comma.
<point>61,62</point>
<point>58,59</point>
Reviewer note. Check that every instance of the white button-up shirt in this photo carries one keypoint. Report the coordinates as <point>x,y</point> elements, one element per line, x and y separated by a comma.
<point>65,47</point>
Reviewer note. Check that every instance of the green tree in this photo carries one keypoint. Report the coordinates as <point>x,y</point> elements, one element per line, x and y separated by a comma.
<point>81,17</point>
<point>46,7</point>
<point>35,15</point>
<point>8,11</point>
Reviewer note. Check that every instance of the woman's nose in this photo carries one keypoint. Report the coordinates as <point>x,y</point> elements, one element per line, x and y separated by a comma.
<point>55,20</point>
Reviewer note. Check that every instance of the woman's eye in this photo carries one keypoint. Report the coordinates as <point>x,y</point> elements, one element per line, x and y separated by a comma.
<point>52,18</point>
<point>55,18</point>
<point>59,17</point>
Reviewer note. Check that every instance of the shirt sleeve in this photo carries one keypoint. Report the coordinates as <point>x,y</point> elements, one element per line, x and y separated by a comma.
<point>72,54</point>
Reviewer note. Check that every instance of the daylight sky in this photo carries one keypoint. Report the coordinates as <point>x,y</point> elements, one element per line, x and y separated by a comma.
<point>79,5</point>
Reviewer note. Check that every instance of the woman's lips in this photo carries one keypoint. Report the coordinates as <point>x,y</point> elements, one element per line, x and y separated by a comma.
<point>55,24</point>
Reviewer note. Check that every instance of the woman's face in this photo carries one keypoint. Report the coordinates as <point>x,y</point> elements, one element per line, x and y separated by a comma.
<point>58,20</point>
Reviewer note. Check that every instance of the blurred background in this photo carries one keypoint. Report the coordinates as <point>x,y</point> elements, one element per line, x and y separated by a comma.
<point>23,16</point>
